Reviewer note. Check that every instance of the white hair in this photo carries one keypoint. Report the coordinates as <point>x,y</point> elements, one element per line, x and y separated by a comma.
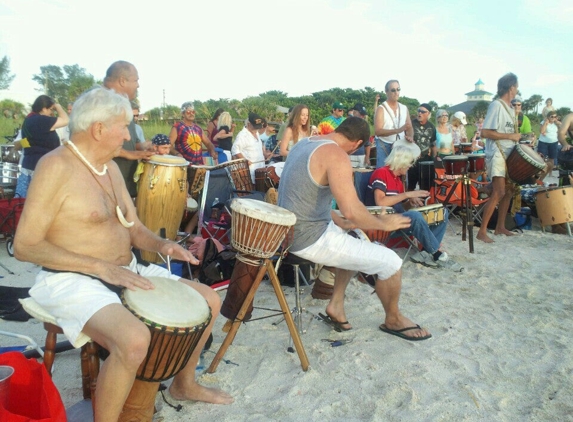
<point>98,104</point>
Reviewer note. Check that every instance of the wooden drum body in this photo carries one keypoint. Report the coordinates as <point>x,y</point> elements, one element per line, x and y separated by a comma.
<point>476,163</point>
<point>554,205</point>
<point>379,236</point>
<point>162,197</point>
<point>266,178</point>
<point>466,147</point>
<point>455,164</point>
<point>432,214</point>
<point>258,228</point>
<point>177,316</point>
<point>523,163</point>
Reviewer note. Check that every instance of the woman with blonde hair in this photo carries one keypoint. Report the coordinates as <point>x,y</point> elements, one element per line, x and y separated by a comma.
<point>224,134</point>
<point>298,127</point>
<point>457,123</point>
<point>444,137</point>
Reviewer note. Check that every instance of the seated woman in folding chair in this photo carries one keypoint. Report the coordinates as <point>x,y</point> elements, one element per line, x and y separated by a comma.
<point>386,189</point>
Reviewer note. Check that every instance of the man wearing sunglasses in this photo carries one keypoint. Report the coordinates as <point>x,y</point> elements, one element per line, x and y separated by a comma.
<point>425,138</point>
<point>391,122</point>
<point>330,123</point>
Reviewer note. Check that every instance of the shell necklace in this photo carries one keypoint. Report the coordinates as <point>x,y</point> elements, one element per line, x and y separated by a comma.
<point>94,172</point>
<point>85,160</point>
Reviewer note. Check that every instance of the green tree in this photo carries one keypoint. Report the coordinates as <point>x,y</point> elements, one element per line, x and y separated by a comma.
<point>5,77</point>
<point>480,109</point>
<point>534,102</point>
<point>64,85</point>
<point>12,109</point>
<point>563,111</point>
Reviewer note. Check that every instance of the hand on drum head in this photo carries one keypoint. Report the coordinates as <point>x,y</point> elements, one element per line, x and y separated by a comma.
<point>393,222</point>
<point>120,276</point>
<point>415,196</point>
<point>177,251</point>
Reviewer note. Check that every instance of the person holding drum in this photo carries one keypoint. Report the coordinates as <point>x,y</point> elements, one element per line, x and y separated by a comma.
<point>386,189</point>
<point>317,171</point>
<point>81,231</point>
<point>500,130</point>
<point>248,145</point>
<point>187,138</point>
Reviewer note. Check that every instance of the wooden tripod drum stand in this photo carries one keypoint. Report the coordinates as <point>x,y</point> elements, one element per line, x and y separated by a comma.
<point>466,200</point>
<point>265,267</point>
<point>258,228</point>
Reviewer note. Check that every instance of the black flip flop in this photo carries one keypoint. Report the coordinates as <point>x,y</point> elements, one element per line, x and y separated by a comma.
<point>400,333</point>
<point>336,325</point>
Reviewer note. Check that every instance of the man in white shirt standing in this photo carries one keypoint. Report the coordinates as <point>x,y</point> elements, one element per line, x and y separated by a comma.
<point>248,145</point>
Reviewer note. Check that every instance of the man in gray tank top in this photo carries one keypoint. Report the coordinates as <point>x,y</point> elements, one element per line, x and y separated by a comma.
<point>317,170</point>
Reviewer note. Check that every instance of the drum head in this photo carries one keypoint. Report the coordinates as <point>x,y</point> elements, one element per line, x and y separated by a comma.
<point>263,211</point>
<point>168,160</point>
<point>455,158</point>
<point>530,155</point>
<point>428,207</point>
<point>171,304</point>
<point>192,204</point>
<point>278,168</point>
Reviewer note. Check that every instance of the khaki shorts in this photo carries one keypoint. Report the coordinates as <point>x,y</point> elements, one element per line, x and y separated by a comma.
<point>496,166</point>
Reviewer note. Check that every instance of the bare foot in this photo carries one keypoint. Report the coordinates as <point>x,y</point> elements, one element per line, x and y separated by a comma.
<point>338,316</point>
<point>402,322</point>
<point>484,237</point>
<point>202,393</point>
<point>503,231</point>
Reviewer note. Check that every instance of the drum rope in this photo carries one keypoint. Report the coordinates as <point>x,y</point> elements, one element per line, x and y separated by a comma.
<point>249,261</point>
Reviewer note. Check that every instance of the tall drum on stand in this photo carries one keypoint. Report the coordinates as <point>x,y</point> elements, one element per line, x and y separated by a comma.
<point>162,197</point>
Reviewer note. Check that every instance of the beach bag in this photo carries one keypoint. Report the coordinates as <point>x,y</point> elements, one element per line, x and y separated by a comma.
<point>33,397</point>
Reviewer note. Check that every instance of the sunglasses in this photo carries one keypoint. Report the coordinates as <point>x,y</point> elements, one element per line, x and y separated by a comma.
<point>444,115</point>
<point>552,117</point>
<point>517,105</point>
<point>395,90</point>
<point>421,111</point>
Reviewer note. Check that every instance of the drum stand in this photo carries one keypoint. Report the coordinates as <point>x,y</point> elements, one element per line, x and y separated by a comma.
<point>466,200</point>
<point>266,267</point>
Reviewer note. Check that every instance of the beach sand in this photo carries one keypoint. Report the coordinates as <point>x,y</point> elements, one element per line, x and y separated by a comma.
<point>501,346</point>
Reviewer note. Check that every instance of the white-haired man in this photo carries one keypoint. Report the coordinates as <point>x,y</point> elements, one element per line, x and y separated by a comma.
<point>79,279</point>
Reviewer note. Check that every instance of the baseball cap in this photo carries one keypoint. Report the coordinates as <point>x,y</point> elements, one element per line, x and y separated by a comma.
<point>426,106</point>
<point>462,116</point>
<point>359,107</point>
<point>255,120</point>
<point>338,106</point>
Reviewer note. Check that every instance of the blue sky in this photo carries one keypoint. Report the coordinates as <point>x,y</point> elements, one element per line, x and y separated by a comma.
<point>233,49</point>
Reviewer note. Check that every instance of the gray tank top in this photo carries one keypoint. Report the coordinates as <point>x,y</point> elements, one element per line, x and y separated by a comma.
<point>299,193</point>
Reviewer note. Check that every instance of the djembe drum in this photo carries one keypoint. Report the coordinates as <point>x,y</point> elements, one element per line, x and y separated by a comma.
<point>523,163</point>
<point>257,230</point>
<point>240,175</point>
<point>177,316</point>
<point>455,165</point>
<point>161,197</point>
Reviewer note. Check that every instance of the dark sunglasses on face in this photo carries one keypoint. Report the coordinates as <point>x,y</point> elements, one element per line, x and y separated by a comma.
<point>395,90</point>
<point>422,111</point>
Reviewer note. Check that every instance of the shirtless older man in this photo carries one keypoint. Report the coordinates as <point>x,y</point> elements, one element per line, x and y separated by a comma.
<point>79,224</point>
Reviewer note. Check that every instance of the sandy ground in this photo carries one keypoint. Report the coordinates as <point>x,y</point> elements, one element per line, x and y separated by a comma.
<point>501,346</point>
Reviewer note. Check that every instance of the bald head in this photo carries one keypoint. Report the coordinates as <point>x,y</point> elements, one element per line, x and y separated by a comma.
<point>123,78</point>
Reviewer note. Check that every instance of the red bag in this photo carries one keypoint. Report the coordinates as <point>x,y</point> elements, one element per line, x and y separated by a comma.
<point>33,397</point>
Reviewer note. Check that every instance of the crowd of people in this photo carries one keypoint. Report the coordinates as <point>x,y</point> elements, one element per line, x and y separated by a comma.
<point>78,281</point>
